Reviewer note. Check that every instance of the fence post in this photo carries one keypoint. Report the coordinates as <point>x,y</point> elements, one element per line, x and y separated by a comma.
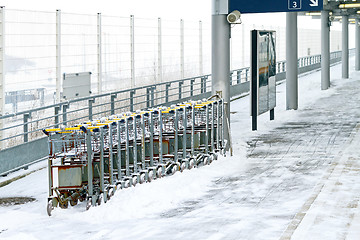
<point>58,56</point>
<point>182,52</point>
<point>202,85</point>
<point>26,127</point>
<point>64,114</point>
<point>90,104</point>
<point>180,90</point>
<point>57,110</point>
<point>201,60</point>
<point>113,96</point>
<point>192,87</point>
<point>152,96</point>
<point>148,97</point>
<point>167,86</point>
<point>230,77</point>
<point>238,77</point>
<point>2,73</point>
<point>99,53</point>
<point>132,92</point>
<point>132,50</point>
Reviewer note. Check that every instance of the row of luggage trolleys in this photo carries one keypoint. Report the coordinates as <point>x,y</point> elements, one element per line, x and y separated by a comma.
<point>90,161</point>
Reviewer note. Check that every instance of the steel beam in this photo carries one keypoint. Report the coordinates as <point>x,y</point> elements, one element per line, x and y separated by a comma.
<point>220,63</point>
<point>291,61</point>
<point>345,46</point>
<point>325,50</point>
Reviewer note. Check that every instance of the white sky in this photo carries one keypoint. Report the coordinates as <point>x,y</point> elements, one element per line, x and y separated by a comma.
<point>186,9</point>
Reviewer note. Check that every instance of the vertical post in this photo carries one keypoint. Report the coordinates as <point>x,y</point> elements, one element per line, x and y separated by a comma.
<point>90,167</point>
<point>167,86</point>
<point>99,53</point>
<point>57,110</point>
<point>119,160</point>
<point>201,55</point>
<point>184,131</point>
<point>159,52</point>
<point>90,103</point>
<point>2,73</point>
<point>113,96</point>
<point>345,46</point>
<point>182,50</point>
<point>26,127</point>
<point>357,45</point>
<point>325,50</point>
<point>291,61</point>
<point>180,90</point>
<point>221,55</point>
<point>132,50</point>
<point>58,55</point>
<point>102,167</point>
<point>132,92</point>
<point>176,137</point>
<point>64,114</point>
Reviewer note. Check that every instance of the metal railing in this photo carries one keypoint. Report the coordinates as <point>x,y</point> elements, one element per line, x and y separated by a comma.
<point>25,127</point>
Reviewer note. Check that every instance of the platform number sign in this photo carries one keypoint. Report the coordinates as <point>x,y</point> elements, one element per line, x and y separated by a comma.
<point>265,6</point>
<point>294,4</point>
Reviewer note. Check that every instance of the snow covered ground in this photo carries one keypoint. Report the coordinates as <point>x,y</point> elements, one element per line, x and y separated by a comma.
<point>296,177</point>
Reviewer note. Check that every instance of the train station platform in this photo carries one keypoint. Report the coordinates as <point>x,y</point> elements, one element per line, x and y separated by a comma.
<point>295,178</point>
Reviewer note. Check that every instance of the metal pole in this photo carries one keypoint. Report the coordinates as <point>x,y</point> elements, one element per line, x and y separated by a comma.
<point>182,51</point>
<point>220,63</point>
<point>58,55</point>
<point>291,61</point>
<point>325,50</point>
<point>357,45</point>
<point>2,73</point>
<point>345,46</point>
<point>99,48</point>
<point>160,75</point>
<point>132,50</point>
<point>201,55</point>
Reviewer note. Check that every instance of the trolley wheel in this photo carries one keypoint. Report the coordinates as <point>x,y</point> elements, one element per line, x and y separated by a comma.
<point>191,163</point>
<point>50,207</point>
<point>73,202</point>
<point>127,184</point>
<point>151,176</point>
<point>88,204</point>
<point>134,181</point>
<point>159,172</point>
<point>99,200</point>
<point>142,178</point>
<point>64,205</point>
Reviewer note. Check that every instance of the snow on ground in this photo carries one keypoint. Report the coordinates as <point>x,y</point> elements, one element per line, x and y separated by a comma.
<point>294,177</point>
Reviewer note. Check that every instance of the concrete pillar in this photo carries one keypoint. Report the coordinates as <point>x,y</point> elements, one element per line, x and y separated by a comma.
<point>357,45</point>
<point>220,65</point>
<point>325,50</point>
<point>345,47</point>
<point>291,61</point>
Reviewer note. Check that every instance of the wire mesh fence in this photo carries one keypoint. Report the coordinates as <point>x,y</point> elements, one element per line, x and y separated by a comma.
<point>120,52</point>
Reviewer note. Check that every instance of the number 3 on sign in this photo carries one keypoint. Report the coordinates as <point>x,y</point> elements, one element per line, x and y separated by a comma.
<point>294,4</point>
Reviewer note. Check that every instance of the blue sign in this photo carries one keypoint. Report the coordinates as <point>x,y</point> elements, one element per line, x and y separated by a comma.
<point>264,6</point>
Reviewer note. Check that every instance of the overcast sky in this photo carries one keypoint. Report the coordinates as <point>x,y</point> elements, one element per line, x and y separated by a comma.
<point>168,9</point>
<point>186,9</point>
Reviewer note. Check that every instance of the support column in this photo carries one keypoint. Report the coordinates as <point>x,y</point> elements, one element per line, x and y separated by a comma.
<point>325,50</point>
<point>345,47</point>
<point>357,45</point>
<point>220,63</point>
<point>291,61</point>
